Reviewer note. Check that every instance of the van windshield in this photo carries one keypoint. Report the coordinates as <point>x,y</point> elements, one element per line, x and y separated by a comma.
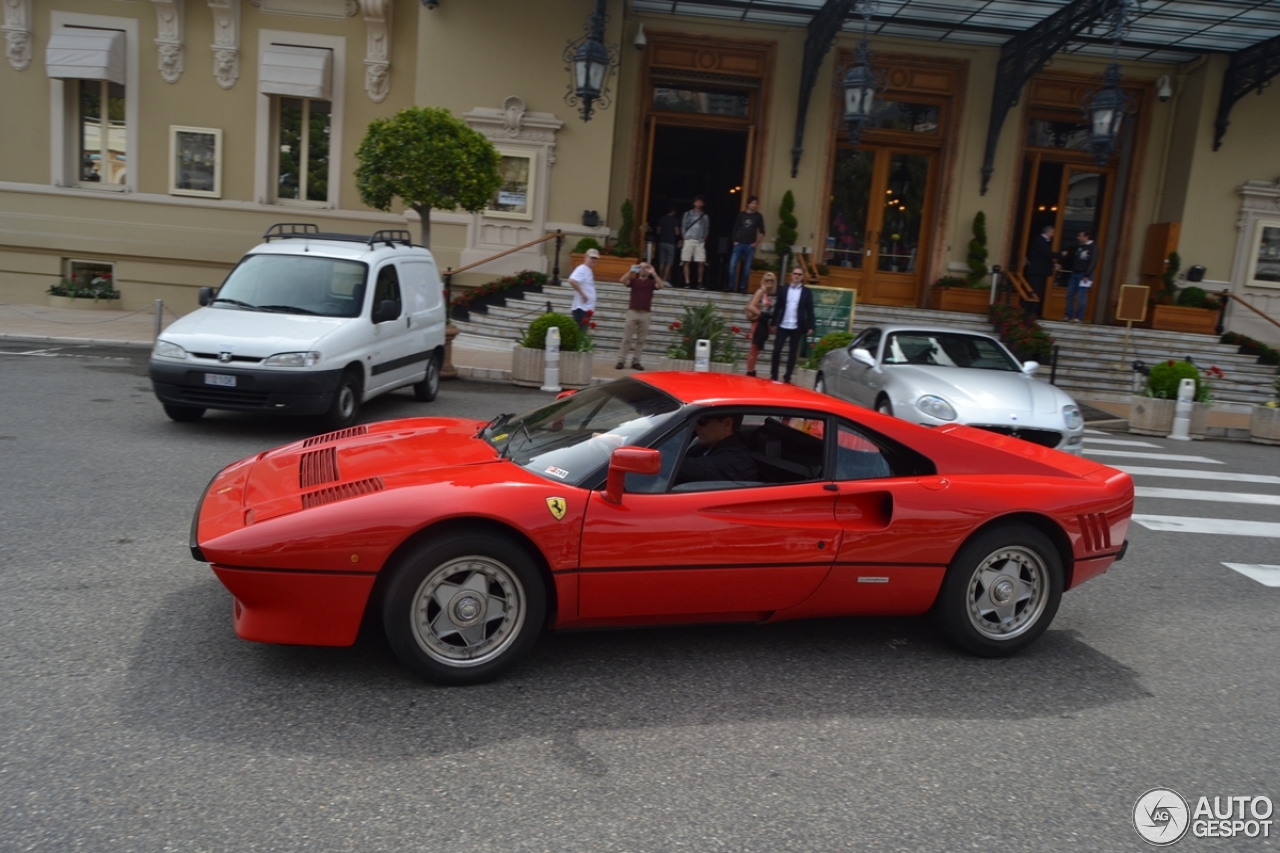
<point>295,284</point>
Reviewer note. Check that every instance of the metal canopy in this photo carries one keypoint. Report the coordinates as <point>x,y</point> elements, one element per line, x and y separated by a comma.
<point>1167,31</point>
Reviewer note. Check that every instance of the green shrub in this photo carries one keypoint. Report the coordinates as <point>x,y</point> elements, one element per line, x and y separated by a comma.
<point>704,322</point>
<point>1165,377</point>
<point>624,246</point>
<point>786,235</point>
<point>835,340</point>
<point>978,251</point>
<point>586,243</point>
<point>1021,334</point>
<point>1193,297</point>
<point>951,281</point>
<point>1249,346</point>
<point>536,336</point>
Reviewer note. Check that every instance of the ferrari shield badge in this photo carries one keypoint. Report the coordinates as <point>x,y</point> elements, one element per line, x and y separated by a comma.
<point>557,507</point>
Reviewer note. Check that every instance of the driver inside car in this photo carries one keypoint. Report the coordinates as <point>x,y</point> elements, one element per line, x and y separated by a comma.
<point>719,454</point>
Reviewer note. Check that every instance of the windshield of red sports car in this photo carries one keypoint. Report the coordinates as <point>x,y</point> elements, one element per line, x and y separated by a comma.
<point>566,441</point>
<point>943,349</point>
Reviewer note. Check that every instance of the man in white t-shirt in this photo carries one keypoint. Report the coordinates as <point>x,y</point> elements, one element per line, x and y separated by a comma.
<point>583,282</point>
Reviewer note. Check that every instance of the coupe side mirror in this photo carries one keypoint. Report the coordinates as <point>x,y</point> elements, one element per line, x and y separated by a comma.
<point>1030,367</point>
<point>629,460</point>
<point>206,296</point>
<point>863,357</point>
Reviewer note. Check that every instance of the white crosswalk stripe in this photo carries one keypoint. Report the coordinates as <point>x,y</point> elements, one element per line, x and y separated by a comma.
<point>1134,458</point>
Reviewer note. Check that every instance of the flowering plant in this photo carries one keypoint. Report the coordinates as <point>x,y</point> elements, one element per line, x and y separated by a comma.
<point>99,287</point>
<point>1165,377</point>
<point>701,322</point>
<point>528,278</point>
<point>1021,333</point>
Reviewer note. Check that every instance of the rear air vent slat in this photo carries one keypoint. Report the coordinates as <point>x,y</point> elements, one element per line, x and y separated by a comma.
<point>317,467</point>
<point>341,492</point>
<point>349,432</point>
<point>1096,530</point>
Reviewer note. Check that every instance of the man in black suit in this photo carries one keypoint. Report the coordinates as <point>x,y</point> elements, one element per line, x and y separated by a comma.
<point>1041,263</point>
<point>794,315</point>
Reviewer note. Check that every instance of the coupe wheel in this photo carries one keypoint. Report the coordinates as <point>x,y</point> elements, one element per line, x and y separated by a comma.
<point>884,407</point>
<point>820,384</point>
<point>346,402</point>
<point>429,387</point>
<point>183,414</point>
<point>463,609</point>
<point>1001,591</point>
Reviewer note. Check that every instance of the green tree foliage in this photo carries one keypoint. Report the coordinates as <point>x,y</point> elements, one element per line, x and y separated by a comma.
<point>586,243</point>
<point>978,251</point>
<point>787,222</point>
<point>430,160</point>
<point>625,247</point>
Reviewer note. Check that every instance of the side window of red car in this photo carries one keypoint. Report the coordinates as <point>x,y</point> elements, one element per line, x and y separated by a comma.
<point>858,457</point>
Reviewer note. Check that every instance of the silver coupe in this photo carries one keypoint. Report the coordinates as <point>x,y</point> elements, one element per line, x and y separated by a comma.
<point>936,376</point>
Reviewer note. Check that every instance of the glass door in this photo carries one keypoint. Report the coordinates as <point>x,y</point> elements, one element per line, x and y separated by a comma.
<point>877,233</point>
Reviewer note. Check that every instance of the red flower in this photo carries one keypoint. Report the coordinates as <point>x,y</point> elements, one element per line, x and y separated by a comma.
<point>590,313</point>
<point>734,329</point>
<point>674,326</point>
<point>593,324</point>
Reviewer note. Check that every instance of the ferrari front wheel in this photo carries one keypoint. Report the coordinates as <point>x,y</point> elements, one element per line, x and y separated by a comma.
<point>463,609</point>
<point>1001,591</point>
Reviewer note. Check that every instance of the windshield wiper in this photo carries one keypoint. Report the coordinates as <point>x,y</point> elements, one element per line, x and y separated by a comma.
<point>237,303</point>
<point>528,440</point>
<point>494,424</point>
<point>286,309</point>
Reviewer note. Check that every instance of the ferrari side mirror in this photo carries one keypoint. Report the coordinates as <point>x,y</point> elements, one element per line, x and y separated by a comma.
<point>862,356</point>
<point>629,460</point>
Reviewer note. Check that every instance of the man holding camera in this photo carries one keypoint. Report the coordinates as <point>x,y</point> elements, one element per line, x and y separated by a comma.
<point>642,281</point>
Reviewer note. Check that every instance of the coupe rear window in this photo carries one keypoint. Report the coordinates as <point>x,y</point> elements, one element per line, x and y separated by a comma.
<point>945,349</point>
<point>293,284</point>
<point>566,441</point>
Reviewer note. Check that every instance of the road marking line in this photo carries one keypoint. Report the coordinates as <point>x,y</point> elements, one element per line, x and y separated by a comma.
<point>1200,495</point>
<point>1225,526</point>
<point>1120,441</point>
<point>1096,432</point>
<point>1139,470</point>
<point>1263,574</point>
<point>1167,457</point>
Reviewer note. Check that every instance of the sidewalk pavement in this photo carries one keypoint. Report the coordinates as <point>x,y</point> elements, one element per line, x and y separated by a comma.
<point>475,357</point>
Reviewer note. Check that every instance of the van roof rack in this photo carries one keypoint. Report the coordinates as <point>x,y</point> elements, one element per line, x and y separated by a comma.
<point>311,231</point>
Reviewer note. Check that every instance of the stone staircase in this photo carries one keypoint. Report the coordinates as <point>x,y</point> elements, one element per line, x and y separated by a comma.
<point>1088,368</point>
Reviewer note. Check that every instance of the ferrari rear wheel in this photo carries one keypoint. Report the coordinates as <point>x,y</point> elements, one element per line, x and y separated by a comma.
<point>820,384</point>
<point>463,609</point>
<point>1001,591</point>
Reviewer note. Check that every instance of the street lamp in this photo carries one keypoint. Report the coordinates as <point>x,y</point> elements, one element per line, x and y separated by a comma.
<point>589,63</point>
<point>1107,107</point>
<point>860,82</point>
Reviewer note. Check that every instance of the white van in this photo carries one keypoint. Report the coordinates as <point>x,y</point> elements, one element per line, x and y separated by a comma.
<point>308,323</point>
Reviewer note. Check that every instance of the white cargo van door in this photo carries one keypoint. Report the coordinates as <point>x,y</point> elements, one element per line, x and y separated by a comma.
<point>391,359</point>
<point>424,303</point>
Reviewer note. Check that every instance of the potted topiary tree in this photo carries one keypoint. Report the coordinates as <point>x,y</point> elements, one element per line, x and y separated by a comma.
<point>529,357</point>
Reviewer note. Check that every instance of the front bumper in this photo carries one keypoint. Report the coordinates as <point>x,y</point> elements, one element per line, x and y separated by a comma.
<point>296,607</point>
<point>308,392</point>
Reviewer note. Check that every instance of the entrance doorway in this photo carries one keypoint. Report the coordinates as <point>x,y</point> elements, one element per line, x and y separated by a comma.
<point>1072,197</point>
<point>878,224</point>
<point>689,161</point>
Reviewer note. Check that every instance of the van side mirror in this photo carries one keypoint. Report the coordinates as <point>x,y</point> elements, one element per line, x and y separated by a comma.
<point>206,297</point>
<point>387,310</point>
<point>629,460</point>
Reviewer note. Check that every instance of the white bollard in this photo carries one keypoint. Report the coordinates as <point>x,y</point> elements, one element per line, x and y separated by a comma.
<point>702,355</point>
<point>1182,411</point>
<point>551,376</point>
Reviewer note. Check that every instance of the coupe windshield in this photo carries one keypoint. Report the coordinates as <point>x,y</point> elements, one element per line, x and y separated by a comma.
<point>948,349</point>
<point>569,439</point>
<point>293,284</point>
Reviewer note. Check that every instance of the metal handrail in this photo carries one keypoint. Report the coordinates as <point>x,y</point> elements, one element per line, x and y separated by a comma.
<point>1025,292</point>
<point>1226,296</point>
<point>559,236</point>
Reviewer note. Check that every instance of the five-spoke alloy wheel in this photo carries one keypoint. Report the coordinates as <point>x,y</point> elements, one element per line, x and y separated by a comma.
<point>464,608</point>
<point>1001,591</point>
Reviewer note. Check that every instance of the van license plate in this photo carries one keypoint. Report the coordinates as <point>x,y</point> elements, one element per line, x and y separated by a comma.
<point>220,379</point>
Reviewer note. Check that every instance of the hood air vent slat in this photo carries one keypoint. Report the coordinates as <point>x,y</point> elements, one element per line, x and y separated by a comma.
<point>317,467</point>
<point>341,492</point>
<point>349,432</point>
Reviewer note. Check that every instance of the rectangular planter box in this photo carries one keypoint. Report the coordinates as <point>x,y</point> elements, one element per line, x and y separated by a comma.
<point>84,304</point>
<point>607,268</point>
<point>1153,416</point>
<point>1177,318</point>
<point>1264,426</point>
<point>528,368</point>
<point>968,300</point>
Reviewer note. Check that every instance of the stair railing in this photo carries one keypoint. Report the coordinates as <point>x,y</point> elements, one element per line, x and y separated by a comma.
<point>1225,297</point>
<point>558,236</point>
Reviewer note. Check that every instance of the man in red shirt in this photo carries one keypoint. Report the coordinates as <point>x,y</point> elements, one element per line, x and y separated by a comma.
<point>643,281</point>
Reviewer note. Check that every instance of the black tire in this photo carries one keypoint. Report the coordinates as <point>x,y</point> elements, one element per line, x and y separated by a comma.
<point>1001,591</point>
<point>346,402</point>
<point>183,414</point>
<point>820,384</point>
<point>463,640</point>
<point>429,387</point>
<point>884,407</point>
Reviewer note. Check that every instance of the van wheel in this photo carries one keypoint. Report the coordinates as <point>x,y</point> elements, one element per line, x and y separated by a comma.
<point>429,387</point>
<point>183,414</point>
<point>346,402</point>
